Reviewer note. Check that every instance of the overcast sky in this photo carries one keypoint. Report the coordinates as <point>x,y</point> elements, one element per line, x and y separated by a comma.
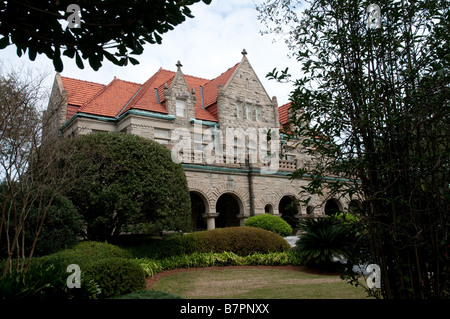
<point>206,46</point>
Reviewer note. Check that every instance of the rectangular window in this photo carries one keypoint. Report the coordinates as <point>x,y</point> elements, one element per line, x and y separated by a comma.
<point>248,111</point>
<point>162,136</point>
<point>198,142</point>
<point>258,112</point>
<point>181,108</point>
<point>239,114</point>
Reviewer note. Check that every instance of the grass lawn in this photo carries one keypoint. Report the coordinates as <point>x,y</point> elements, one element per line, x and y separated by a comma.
<point>257,283</point>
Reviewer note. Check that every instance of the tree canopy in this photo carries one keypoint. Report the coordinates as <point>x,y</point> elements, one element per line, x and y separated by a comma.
<point>126,183</point>
<point>111,29</point>
<point>376,99</point>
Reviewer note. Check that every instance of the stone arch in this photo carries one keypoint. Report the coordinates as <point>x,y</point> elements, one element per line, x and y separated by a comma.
<point>333,206</point>
<point>204,192</point>
<point>289,209</point>
<point>229,209</point>
<point>269,209</point>
<point>239,193</point>
<point>199,210</point>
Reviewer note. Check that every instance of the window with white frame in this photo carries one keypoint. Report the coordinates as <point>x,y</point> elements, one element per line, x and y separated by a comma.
<point>162,136</point>
<point>239,112</point>
<point>181,108</point>
<point>258,112</point>
<point>248,111</point>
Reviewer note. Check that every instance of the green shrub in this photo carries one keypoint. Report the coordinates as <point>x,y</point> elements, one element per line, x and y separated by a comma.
<point>152,266</point>
<point>270,222</point>
<point>239,240</point>
<point>44,283</point>
<point>326,238</point>
<point>126,183</point>
<point>83,254</point>
<point>117,276</point>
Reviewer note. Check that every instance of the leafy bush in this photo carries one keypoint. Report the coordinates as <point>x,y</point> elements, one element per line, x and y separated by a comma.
<point>270,222</point>
<point>83,254</point>
<point>126,183</point>
<point>44,283</point>
<point>239,240</point>
<point>323,240</point>
<point>153,266</point>
<point>117,276</point>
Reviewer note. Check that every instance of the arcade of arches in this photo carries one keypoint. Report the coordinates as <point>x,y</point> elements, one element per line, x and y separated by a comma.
<point>229,210</point>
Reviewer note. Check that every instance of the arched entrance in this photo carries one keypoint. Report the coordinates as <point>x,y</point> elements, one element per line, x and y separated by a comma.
<point>198,209</point>
<point>228,207</point>
<point>332,206</point>
<point>268,209</point>
<point>288,210</point>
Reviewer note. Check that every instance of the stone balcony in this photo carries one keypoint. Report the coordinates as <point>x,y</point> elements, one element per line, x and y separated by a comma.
<point>236,162</point>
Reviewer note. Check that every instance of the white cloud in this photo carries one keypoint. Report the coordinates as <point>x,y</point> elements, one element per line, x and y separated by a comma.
<point>206,45</point>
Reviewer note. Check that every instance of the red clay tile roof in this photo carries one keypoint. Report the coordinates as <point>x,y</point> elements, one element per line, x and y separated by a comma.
<point>210,89</point>
<point>80,91</point>
<point>283,113</point>
<point>145,98</point>
<point>111,99</point>
<point>119,96</point>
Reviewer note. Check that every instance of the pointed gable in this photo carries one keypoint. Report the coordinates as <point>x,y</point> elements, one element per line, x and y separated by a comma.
<point>118,97</point>
<point>146,99</point>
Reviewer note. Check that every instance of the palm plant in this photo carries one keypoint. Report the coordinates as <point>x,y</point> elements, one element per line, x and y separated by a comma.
<point>324,239</point>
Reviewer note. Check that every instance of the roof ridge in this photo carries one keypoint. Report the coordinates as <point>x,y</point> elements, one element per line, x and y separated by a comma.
<point>97,94</point>
<point>66,77</point>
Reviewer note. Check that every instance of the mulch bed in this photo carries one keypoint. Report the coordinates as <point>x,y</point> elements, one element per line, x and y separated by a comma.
<point>156,277</point>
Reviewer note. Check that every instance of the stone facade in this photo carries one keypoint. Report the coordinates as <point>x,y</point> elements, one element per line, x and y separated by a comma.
<point>223,193</point>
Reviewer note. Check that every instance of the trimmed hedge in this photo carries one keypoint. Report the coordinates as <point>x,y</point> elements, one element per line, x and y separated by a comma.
<point>270,222</point>
<point>117,276</point>
<point>83,254</point>
<point>102,265</point>
<point>239,240</point>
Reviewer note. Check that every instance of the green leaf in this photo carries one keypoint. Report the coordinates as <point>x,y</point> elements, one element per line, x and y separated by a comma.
<point>4,42</point>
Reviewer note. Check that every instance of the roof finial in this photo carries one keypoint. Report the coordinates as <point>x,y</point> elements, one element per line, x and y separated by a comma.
<point>178,65</point>
<point>244,53</point>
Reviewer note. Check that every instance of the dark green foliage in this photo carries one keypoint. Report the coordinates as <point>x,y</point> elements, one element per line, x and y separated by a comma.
<point>239,240</point>
<point>323,239</point>
<point>270,222</point>
<point>61,229</point>
<point>123,27</point>
<point>83,254</point>
<point>372,107</point>
<point>126,183</point>
<point>116,276</point>
<point>106,270</point>
<point>44,283</point>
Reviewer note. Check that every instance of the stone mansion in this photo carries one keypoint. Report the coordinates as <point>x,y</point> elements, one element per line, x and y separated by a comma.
<point>223,192</point>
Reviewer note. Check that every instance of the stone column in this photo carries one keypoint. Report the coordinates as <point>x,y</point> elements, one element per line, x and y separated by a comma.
<point>210,220</point>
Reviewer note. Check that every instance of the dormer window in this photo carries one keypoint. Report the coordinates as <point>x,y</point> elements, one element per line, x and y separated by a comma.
<point>181,108</point>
